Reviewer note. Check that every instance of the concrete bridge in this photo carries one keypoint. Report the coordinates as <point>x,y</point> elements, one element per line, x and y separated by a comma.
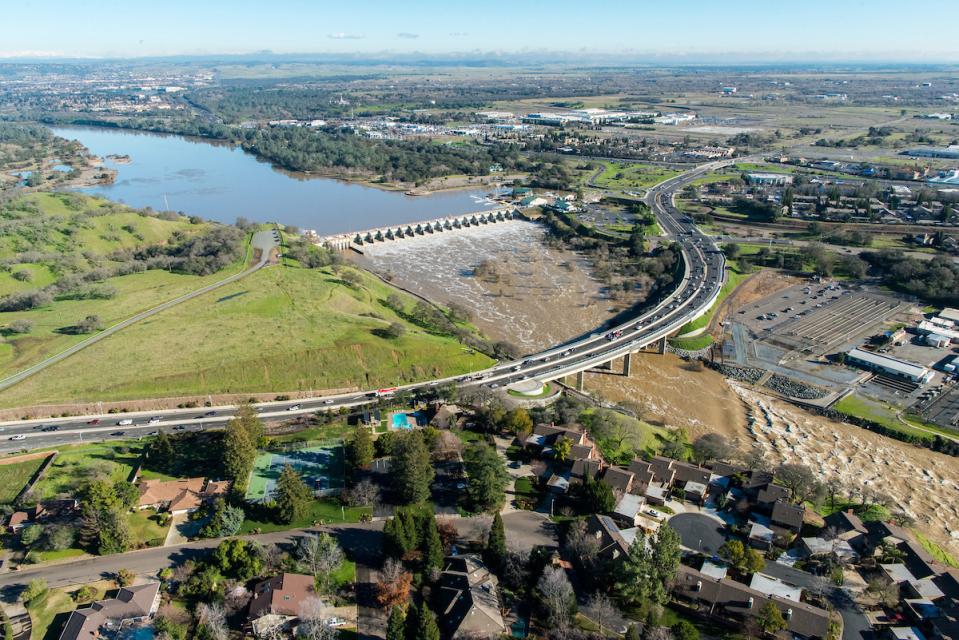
<point>344,241</point>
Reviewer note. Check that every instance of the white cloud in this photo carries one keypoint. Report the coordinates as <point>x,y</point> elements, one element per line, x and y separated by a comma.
<point>407,35</point>
<point>345,36</point>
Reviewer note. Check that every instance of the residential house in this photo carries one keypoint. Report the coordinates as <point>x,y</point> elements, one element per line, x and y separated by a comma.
<point>277,601</point>
<point>628,510</point>
<point>788,516</point>
<point>618,479</point>
<point>179,496</point>
<point>105,617</point>
<point>838,547</point>
<point>612,544</point>
<point>446,416</point>
<point>586,467</point>
<point>468,605</point>
<point>738,603</point>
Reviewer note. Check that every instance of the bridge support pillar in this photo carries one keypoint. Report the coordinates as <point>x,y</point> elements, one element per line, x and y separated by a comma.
<point>627,364</point>
<point>580,381</point>
<point>661,346</point>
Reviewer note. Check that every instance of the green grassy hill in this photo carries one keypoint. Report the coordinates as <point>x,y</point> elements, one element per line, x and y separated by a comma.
<point>282,328</point>
<point>53,236</point>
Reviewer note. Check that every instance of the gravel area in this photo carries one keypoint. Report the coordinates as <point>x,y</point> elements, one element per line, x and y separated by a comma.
<point>794,388</point>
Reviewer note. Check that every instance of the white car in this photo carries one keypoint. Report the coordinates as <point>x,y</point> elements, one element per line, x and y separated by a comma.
<point>295,407</point>
<point>654,513</point>
<point>328,401</point>
<point>335,622</point>
<point>154,420</point>
<point>125,422</point>
<point>19,436</point>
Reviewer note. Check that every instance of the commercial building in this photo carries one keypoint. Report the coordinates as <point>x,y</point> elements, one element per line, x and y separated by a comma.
<point>886,365</point>
<point>950,152</point>
<point>770,179</point>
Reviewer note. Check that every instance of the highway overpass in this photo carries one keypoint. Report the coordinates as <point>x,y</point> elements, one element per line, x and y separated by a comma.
<point>695,293</point>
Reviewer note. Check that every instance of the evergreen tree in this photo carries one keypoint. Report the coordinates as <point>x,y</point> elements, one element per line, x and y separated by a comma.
<point>412,470</point>
<point>432,546</point>
<point>361,448</point>
<point>293,497</point>
<point>496,544</point>
<point>396,543</point>
<point>395,627</point>
<point>411,625</point>
<point>239,452</point>
<point>427,628</point>
<point>487,477</point>
<point>162,454</point>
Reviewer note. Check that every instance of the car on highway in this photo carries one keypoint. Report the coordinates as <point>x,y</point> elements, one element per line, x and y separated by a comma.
<point>19,436</point>
<point>179,427</point>
<point>154,433</point>
<point>153,420</point>
<point>117,434</point>
<point>95,421</point>
<point>209,414</point>
<point>328,401</point>
<point>51,427</point>
<point>125,422</point>
<point>295,407</point>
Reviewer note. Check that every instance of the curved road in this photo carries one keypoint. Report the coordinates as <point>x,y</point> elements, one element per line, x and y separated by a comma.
<point>265,241</point>
<point>695,293</point>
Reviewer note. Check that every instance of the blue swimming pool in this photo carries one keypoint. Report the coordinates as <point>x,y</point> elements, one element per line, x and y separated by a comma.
<point>401,421</point>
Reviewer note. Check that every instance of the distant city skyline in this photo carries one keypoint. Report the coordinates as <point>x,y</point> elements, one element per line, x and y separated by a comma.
<point>744,30</point>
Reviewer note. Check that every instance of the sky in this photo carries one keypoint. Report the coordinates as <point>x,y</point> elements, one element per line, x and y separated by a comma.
<point>768,30</point>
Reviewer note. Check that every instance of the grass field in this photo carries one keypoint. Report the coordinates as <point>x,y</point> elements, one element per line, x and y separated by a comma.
<point>857,406</point>
<point>75,464</point>
<point>72,234</point>
<point>734,277</point>
<point>319,467</point>
<point>15,476</point>
<point>631,175</point>
<point>282,328</point>
<point>322,510</point>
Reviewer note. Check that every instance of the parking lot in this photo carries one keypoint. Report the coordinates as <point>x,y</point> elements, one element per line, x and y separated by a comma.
<point>944,409</point>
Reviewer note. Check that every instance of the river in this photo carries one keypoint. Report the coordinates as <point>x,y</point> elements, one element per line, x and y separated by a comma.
<point>220,182</point>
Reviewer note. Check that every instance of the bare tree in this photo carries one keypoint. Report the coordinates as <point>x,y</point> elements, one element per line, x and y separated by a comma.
<point>213,617</point>
<point>601,608</point>
<point>557,596</point>
<point>313,621</point>
<point>321,554</point>
<point>581,546</point>
<point>363,494</point>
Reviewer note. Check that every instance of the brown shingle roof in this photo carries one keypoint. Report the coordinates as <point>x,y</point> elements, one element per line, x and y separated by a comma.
<point>282,594</point>
<point>618,479</point>
<point>788,515</point>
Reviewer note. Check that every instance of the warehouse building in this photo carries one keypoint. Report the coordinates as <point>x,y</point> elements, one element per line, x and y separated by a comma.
<point>892,367</point>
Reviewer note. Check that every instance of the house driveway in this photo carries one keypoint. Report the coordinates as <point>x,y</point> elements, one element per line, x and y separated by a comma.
<point>182,529</point>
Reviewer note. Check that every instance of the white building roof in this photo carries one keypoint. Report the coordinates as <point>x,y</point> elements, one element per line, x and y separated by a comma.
<point>891,364</point>
<point>907,633</point>
<point>714,569</point>
<point>939,330</point>
<point>769,586</point>
<point>950,314</point>
<point>898,573</point>
<point>629,505</point>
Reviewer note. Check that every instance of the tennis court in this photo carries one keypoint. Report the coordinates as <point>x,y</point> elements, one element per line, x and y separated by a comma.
<point>321,467</point>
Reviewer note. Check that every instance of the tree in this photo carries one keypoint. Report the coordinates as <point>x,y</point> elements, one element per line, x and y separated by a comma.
<point>361,448</point>
<point>562,448</point>
<point>557,597</point>
<point>393,588</point>
<point>398,541</point>
<point>495,552</point>
<point>90,324</point>
<point>799,479</point>
<point>393,331</point>
<point>239,448</point>
<point>313,626</point>
<point>518,421</point>
<point>582,547</point>
<point>161,452</point>
<point>487,477</point>
<point>412,623</point>
<point>125,577</point>
<point>30,534</point>
<point>237,558</point>
<point>395,624</point>
<point>685,630</point>
<point>771,619</point>
<point>645,573</point>
<point>432,546</point>
<point>427,629</point>
<point>711,446</point>
<point>411,467</point>
<point>212,618</point>
<point>292,496</point>
<point>601,609</point>
<point>58,537</point>
<point>597,497</point>
<point>225,520</point>
<point>35,592</point>
<point>322,556</point>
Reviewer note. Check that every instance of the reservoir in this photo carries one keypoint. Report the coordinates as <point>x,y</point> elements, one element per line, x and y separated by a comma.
<point>219,182</point>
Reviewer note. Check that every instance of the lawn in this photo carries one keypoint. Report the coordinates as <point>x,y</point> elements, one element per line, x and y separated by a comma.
<point>859,407</point>
<point>15,476</point>
<point>326,511</point>
<point>632,175</point>
<point>936,551</point>
<point>344,575</point>
<point>281,328</point>
<point>527,493</point>
<point>75,464</point>
<point>145,530</point>
<point>694,343</point>
<point>546,390</point>
<point>55,606</point>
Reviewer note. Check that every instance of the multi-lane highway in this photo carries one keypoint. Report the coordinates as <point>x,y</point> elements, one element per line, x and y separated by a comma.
<point>695,293</point>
